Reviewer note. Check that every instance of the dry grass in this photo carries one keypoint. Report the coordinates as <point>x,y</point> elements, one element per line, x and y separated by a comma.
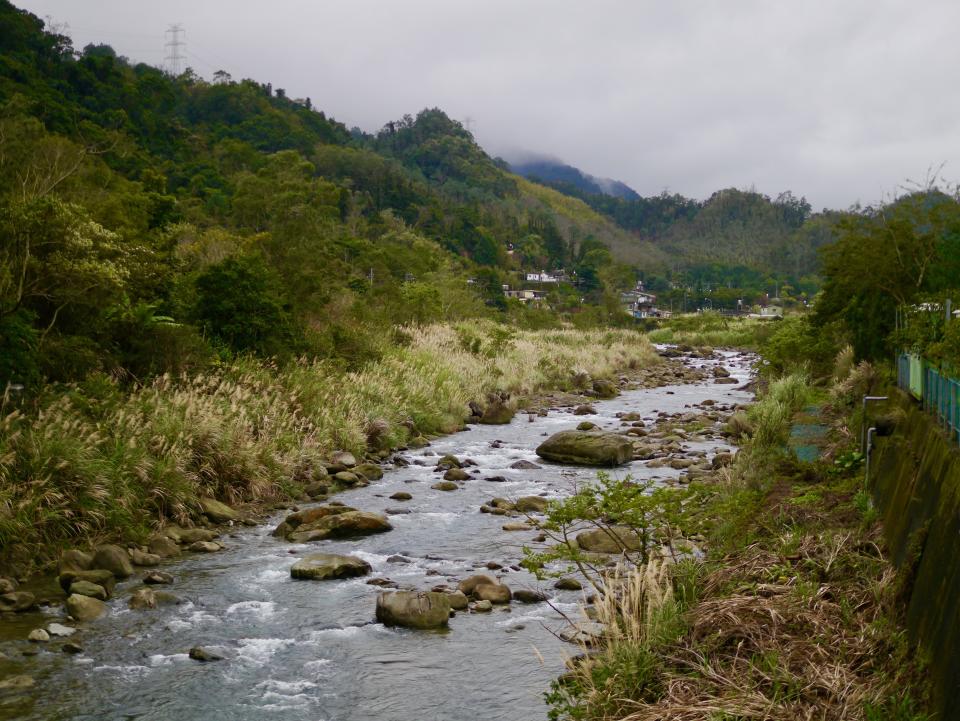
<point>99,461</point>
<point>794,629</point>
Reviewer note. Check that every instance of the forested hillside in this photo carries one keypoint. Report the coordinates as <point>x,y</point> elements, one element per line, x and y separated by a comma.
<point>732,228</point>
<point>153,223</point>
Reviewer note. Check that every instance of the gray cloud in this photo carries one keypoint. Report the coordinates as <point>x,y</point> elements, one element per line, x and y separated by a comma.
<point>838,101</point>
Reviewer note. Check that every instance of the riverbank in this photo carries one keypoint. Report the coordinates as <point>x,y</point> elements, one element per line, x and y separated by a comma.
<point>98,462</point>
<point>301,646</point>
<point>795,610</point>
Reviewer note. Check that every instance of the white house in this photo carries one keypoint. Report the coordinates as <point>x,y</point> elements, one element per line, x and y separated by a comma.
<point>541,277</point>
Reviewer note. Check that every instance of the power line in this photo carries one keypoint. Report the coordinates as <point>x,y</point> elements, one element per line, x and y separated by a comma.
<point>175,57</point>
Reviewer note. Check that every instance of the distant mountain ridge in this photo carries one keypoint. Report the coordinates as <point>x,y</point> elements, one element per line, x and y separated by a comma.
<point>554,171</point>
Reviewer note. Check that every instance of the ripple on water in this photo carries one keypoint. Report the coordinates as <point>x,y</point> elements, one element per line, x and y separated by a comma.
<point>317,666</point>
<point>257,609</point>
<point>259,651</point>
<point>273,575</point>
<point>159,659</point>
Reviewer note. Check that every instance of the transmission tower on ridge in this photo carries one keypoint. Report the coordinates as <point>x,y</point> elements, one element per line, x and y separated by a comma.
<point>175,57</point>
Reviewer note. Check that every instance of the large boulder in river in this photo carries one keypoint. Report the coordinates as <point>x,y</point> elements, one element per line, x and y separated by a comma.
<point>99,577</point>
<point>370,471</point>
<point>605,389</point>
<point>85,608</point>
<point>499,409</point>
<point>321,566</point>
<point>302,519</point>
<point>587,448</point>
<point>531,504</point>
<point>611,539</point>
<point>114,559</point>
<point>86,588</point>
<point>495,593</point>
<point>413,609</point>
<point>343,525</point>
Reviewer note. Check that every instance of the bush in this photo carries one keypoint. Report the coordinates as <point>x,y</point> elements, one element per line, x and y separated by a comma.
<point>19,361</point>
<point>240,304</point>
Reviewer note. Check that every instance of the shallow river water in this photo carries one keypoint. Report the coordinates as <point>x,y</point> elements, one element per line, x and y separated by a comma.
<point>311,651</point>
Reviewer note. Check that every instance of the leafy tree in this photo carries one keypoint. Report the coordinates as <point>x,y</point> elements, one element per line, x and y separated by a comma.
<point>240,304</point>
<point>886,258</point>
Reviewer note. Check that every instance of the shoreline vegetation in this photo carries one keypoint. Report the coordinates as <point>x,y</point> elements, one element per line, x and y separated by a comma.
<point>793,611</point>
<point>95,461</point>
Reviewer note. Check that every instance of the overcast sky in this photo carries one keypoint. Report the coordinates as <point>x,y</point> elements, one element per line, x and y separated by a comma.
<point>837,100</point>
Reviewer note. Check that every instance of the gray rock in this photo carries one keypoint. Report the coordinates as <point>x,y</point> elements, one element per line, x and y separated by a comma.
<point>163,546</point>
<point>205,547</point>
<point>468,586</point>
<point>531,504</point>
<point>216,511</point>
<point>524,465</point>
<point>84,608</point>
<point>445,486</point>
<point>158,578</point>
<point>605,389</point>
<point>568,584</point>
<point>59,630</point>
<point>456,474</point>
<point>87,588</point>
<point>186,536</point>
<point>320,566</point>
<point>343,458</point>
<point>17,601</point>
<point>114,559</point>
<point>613,539</point>
<point>74,560</point>
<point>139,558</point>
<point>587,448</point>
<point>458,601</point>
<point>524,595</point>
<point>370,471</point>
<point>401,496</point>
<point>38,635</point>
<point>483,607</point>
<point>143,598</point>
<point>495,593</point>
<point>201,654</point>
<point>342,525</point>
<point>413,609</point>
<point>348,478</point>
<point>100,577</point>
<point>584,410</point>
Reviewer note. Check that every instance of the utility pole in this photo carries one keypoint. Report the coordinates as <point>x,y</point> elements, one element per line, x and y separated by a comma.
<point>175,57</point>
<point>468,124</point>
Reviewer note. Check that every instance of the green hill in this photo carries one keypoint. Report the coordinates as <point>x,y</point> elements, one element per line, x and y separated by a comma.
<point>141,211</point>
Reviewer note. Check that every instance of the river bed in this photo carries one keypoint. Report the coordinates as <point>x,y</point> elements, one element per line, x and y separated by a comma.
<point>311,651</point>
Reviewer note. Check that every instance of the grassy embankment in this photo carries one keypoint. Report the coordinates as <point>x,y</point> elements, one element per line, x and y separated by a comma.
<point>794,612</point>
<point>715,330</point>
<point>96,460</point>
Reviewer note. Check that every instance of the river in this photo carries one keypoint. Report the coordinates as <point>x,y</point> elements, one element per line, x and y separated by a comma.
<point>310,650</point>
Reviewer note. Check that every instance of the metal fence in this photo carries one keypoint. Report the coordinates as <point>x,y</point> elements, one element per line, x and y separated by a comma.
<point>938,392</point>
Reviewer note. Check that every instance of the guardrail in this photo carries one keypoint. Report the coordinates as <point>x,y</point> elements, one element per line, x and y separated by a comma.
<point>938,392</point>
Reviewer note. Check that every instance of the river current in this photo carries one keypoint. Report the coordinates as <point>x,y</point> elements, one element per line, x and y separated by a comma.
<point>310,650</point>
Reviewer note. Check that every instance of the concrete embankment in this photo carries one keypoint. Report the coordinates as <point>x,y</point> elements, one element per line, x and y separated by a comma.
<point>915,482</point>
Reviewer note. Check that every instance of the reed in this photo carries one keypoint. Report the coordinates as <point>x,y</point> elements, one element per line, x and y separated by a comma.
<point>98,460</point>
